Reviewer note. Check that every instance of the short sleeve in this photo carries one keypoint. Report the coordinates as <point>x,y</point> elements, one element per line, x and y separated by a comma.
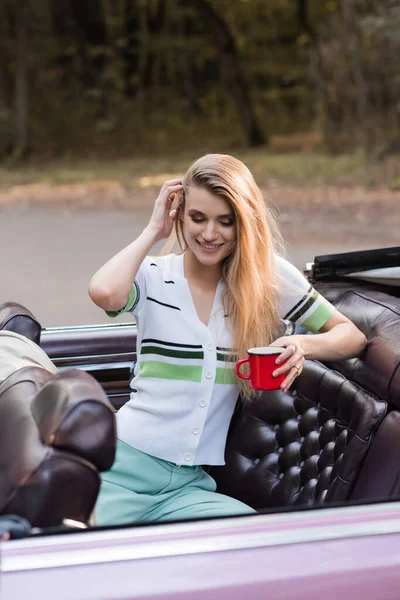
<point>298,300</point>
<point>137,293</point>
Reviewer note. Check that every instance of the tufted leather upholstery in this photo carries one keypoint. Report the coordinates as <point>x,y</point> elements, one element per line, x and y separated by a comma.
<point>303,447</point>
<point>56,433</point>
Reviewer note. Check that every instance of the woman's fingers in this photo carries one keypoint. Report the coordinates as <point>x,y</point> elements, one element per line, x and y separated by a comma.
<point>292,374</point>
<point>290,361</point>
<point>170,186</point>
<point>167,196</point>
<point>171,182</point>
<point>289,379</point>
<point>292,355</point>
<point>164,201</point>
<point>161,220</point>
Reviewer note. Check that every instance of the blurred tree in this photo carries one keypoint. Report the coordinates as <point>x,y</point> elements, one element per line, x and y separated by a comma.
<point>81,30</point>
<point>155,15</point>
<point>357,72</point>
<point>131,47</point>
<point>21,86</point>
<point>6,83</point>
<point>15,49</point>
<point>231,71</point>
<point>303,15</point>
<point>246,69</point>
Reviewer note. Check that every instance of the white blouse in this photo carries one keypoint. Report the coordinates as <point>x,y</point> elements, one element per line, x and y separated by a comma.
<point>184,388</point>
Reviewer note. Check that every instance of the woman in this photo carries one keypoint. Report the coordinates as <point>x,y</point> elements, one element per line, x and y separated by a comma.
<point>198,311</point>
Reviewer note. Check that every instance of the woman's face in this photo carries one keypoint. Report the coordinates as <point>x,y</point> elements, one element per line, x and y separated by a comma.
<point>208,225</point>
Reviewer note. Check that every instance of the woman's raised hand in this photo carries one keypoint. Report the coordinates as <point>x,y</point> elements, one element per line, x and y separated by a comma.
<point>162,219</point>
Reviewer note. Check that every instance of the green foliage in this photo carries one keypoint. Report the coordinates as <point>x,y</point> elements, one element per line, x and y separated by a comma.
<point>149,75</point>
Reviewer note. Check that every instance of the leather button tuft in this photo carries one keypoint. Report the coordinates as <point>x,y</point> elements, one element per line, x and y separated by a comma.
<point>209,374</point>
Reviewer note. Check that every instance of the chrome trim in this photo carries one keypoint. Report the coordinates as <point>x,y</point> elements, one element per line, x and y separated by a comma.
<point>173,540</point>
<point>74,524</point>
<point>100,326</point>
<point>118,355</point>
<point>105,366</point>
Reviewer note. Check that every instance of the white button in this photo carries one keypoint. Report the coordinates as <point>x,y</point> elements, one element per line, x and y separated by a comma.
<point>188,456</point>
<point>195,430</point>
<point>209,374</point>
<point>202,403</point>
<point>210,347</point>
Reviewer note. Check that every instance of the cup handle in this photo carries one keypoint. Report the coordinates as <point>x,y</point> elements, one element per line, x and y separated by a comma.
<point>238,371</point>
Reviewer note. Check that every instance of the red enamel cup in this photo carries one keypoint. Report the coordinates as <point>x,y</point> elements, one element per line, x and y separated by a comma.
<point>262,364</point>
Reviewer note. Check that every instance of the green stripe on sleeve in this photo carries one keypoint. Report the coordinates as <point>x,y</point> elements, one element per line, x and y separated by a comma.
<point>319,317</point>
<point>128,306</point>
<point>305,307</point>
<point>225,375</point>
<point>160,370</point>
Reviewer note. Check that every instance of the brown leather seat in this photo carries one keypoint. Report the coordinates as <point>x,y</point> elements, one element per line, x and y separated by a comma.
<point>378,316</point>
<point>303,447</point>
<point>330,438</point>
<point>56,433</point>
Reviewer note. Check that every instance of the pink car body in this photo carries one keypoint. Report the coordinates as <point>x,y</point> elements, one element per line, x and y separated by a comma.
<point>344,552</point>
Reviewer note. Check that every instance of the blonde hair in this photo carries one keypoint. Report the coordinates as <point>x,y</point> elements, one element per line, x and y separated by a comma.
<point>250,299</point>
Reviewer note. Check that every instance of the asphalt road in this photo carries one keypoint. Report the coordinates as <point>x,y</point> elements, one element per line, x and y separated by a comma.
<point>49,255</point>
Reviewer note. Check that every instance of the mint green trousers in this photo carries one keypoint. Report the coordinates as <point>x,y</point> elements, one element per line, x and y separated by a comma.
<point>142,488</point>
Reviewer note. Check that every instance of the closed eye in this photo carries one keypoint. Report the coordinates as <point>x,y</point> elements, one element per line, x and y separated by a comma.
<point>223,223</point>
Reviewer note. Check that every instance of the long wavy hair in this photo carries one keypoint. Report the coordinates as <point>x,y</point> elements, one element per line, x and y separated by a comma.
<point>250,299</point>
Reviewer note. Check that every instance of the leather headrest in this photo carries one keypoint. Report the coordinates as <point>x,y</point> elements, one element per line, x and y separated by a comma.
<point>73,413</point>
<point>377,315</point>
<point>17,318</point>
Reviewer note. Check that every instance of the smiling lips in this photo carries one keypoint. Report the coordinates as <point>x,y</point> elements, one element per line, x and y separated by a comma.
<point>210,247</point>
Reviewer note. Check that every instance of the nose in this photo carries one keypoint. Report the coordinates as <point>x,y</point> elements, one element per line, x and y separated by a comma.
<point>210,232</point>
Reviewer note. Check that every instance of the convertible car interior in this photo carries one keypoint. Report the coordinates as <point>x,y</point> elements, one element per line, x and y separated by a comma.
<point>334,438</point>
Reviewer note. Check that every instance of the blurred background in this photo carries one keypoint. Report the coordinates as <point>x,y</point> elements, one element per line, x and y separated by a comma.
<point>102,100</point>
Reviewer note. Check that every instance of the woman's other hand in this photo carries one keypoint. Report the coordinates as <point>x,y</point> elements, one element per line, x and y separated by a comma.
<point>162,219</point>
<point>293,355</point>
